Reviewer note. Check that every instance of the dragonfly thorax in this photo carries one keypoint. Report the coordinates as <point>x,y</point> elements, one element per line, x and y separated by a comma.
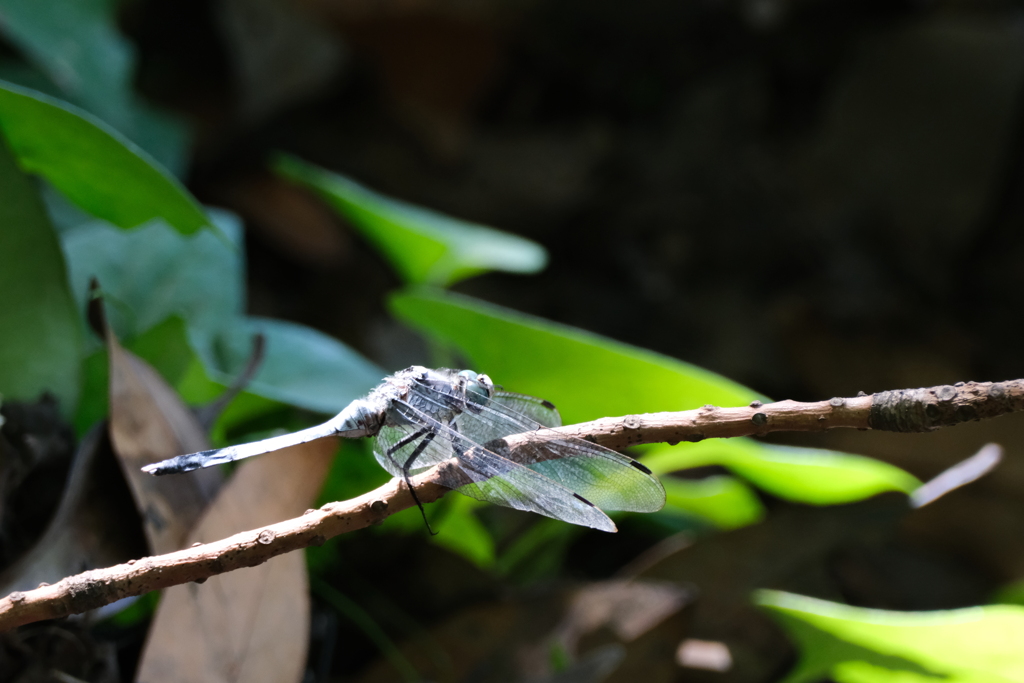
<point>441,394</point>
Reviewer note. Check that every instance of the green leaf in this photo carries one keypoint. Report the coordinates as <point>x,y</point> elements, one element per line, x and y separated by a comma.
<point>805,475</point>
<point>138,610</point>
<point>587,376</point>
<point>154,272</point>
<point>92,164</point>
<point>726,502</point>
<point>41,341</point>
<point>424,246</point>
<point>301,366</point>
<point>461,532</point>
<point>856,645</point>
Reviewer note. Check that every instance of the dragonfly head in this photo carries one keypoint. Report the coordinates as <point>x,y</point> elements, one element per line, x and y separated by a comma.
<point>479,390</point>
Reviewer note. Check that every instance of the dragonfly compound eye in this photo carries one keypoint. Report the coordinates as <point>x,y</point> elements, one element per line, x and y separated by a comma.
<point>479,390</point>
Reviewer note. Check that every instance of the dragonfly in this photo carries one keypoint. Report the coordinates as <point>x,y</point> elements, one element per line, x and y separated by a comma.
<point>424,417</point>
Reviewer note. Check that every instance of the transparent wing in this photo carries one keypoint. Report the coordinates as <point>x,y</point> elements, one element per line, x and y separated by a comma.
<point>608,479</point>
<point>395,445</point>
<point>544,413</point>
<point>497,480</point>
<point>477,472</point>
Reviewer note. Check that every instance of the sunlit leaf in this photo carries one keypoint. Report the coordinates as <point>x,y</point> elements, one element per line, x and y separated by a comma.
<point>726,502</point>
<point>586,375</point>
<point>92,164</point>
<point>41,340</point>
<point>424,246</point>
<point>856,645</point>
<point>806,475</point>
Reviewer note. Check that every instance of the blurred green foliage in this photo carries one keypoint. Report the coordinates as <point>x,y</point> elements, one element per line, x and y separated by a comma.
<point>41,346</point>
<point>856,645</point>
<point>424,247</point>
<point>96,167</point>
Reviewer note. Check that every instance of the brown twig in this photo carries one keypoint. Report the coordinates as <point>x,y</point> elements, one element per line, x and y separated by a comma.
<point>911,410</point>
<point>906,410</point>
<point>98,587</point>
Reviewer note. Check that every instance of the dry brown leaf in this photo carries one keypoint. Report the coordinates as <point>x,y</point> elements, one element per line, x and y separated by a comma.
<point>148,422</point>
<point>250,625</point>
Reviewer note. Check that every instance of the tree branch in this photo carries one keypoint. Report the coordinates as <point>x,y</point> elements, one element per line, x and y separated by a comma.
<point>910,410</point>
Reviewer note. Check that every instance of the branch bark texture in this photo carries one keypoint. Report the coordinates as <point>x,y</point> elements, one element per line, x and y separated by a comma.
<point>909,410</point>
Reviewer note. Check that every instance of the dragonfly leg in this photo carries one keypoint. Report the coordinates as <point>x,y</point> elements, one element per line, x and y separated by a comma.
<point>407,465</point>
<point>407,440</point>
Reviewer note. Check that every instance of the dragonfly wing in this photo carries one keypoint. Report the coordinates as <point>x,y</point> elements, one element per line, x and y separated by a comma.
<point>494,479</point>
<point>481,474</point>
<point>537,410</point>
<point>608,479</point>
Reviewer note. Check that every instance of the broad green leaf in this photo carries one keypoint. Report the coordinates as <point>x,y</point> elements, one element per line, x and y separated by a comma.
<point>726,502</point>
<point>805,475</point>
<point>857,645</point>
<point>92,164</point>
<point>40,340</point>
<point>301,366</point>
<point>461,532</point>
<point>424,246</point>
<point>153,272</point>
<point>587,376</point>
